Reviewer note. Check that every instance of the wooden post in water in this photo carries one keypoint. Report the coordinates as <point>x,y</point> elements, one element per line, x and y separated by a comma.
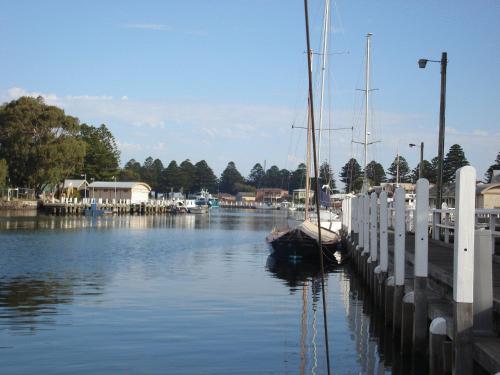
<point>463,270</point>
<point>384,251</point>
<point>399,259</point>
<point>437,336</point>
<point>420,327</point>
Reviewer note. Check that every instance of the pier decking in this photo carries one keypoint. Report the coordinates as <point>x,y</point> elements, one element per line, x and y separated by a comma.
<point>433,294</point>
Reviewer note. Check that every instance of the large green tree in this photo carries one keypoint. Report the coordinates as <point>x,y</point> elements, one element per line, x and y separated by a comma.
<point>489,173</point>
<point>40,143</point>
<point>404,170</point>
<point>256,176</point>
<point>375,173</point>
<point>102,156</point>
<point>204,177</point>
<point>455,159</point>
<point>351,176</point>
<point>229,178</point>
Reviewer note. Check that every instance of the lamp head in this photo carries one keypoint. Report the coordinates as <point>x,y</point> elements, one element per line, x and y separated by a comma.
<point>412,145</point>
<point>422,63</point>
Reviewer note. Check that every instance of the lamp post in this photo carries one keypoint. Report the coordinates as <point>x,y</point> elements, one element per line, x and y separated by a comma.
<point>439,185</point>
<point>420,165</point>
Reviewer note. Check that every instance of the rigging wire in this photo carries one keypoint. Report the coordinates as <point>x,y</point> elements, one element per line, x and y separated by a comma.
<point>311,115</point>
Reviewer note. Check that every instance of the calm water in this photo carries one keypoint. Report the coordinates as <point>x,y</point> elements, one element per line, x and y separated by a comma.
<point>170,294</point>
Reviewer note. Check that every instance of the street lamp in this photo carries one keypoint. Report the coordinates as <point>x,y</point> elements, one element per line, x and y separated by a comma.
<point>420,166</point>
<point>439,185</point>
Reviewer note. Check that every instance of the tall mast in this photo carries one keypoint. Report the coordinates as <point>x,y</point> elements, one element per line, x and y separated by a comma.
<point>367,97</point>
<point>324,53</point>
<point>316,175</point>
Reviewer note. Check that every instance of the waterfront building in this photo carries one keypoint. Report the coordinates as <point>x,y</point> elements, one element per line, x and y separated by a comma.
<point>136,192</point>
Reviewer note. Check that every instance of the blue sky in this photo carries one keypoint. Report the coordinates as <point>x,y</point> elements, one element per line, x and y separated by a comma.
<point>224,80</point>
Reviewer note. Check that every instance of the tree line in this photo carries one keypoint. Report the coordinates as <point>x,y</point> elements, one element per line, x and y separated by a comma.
<point>41,146</point>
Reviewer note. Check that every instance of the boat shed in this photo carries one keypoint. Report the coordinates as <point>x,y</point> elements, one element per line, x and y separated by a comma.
<point>136,192</point>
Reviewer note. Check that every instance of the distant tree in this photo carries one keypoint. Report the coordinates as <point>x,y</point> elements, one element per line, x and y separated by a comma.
<point>229,177</point>
<point>204,177</point>
<point>272,178</point>
<point>241,187</point>
<point>327,177</point>
<point>350,175</point>
<point>131,171</point>
<point>285,176</point>
<point>256,176</point>
<point>428,172</point>
<point>150,172</point>
<point>188,172</point>
<point>40,143</point>
<point>298,178</point>
<point>170,179</point>
<point>102,156</point>
<point>489,173</point>
<point>404,170</point>
<point>4,172</point>
<point>375,173</point>
<point>455,159</point>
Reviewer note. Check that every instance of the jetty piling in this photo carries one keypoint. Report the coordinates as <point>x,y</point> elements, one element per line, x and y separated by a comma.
<point>437,300</point>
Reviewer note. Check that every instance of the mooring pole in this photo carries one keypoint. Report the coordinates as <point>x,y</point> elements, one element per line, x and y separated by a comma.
<point>463,270</point>
<point>420,326</point>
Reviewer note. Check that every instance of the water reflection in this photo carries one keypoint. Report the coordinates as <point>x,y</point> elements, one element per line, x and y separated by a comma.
<point>28,304</point>
<point>234,219</point>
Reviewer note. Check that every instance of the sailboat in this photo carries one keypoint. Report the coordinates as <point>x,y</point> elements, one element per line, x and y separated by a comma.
<point>308,241</point>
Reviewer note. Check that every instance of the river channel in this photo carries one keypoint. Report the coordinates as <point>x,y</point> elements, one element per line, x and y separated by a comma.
<point>179,294</point>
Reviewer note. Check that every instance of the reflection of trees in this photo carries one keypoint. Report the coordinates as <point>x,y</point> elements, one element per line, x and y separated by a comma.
<point>26,303</point>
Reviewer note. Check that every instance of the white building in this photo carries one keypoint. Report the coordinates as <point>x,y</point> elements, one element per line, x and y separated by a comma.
<point>137,192</point>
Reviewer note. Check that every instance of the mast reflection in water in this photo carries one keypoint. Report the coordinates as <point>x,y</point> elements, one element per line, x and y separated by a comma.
<point>358,350</point>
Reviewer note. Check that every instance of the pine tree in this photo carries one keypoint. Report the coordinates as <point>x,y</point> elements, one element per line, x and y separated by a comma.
<point>489,173</point>
<point>375,173</point>
<point>229,177</point>
<point>428,172</point>
<point>455,159</point>
<point>350,175</point>
<point>256,176</point>
<point>298,177</point>
<point>204,177</point>
<point>404,170</point>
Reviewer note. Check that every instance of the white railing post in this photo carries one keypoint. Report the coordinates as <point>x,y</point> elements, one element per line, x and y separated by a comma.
<point>361,241</point>
<point>435,228</point>
<point>463,269</point>
<point>399,237</point>
<point>446,228</point>
<point>366,224</point>
<point>483,281</point>
<point>349,216</point>
<point>384,252</point>
<point>373,227</point>
<point>421,266</point>
<point>399,258</point>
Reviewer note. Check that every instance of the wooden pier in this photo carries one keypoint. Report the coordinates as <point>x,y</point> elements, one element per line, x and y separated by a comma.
<point>440,300</point>
<point>120,207</point>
